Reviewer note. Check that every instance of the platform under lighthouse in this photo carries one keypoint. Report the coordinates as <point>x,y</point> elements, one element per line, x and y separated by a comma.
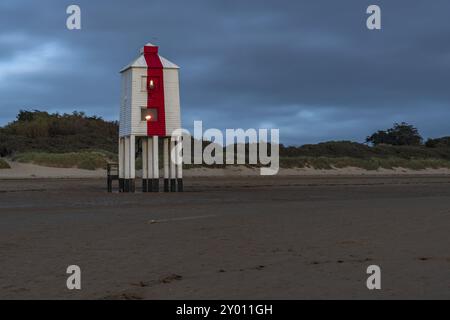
<point>149,119</point>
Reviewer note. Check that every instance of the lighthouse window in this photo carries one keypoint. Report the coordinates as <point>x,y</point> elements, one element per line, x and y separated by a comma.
<point>149,114</point>
<point>151,85</point>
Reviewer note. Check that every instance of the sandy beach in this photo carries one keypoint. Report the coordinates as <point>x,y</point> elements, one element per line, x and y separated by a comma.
<point>31,171</point>
<point>235,237</point>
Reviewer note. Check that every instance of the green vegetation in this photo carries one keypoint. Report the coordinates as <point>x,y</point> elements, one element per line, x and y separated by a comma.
<point>55,133</point>
<point>89,142</point>
<point>4,164</point>
<point>401,134</point>
<point>89,160</point>
<point>438,143</point>
<point>368,164</point>
<point>398,147</point>
<point>60,140</point>
<point>335,149</point>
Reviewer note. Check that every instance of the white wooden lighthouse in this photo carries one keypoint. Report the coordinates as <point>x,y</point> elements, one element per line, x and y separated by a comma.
<point>149,113</point>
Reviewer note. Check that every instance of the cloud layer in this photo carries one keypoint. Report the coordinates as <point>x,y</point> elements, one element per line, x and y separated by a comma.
<point>310,68</point>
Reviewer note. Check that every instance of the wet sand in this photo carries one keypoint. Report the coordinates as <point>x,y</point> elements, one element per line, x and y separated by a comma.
<point>290,237</point>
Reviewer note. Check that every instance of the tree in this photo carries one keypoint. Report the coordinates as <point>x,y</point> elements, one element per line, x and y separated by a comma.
<point>25,115</point>
<point>402,134</point>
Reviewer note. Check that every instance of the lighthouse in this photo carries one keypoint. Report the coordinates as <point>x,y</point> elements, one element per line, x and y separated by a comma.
<point>149,116</point>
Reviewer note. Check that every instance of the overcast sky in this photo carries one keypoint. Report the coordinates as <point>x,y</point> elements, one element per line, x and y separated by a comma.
<point>310,68</point>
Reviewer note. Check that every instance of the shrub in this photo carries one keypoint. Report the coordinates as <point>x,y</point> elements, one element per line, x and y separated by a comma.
<point>401,134</point>
<point>56,133</point>
<point>443,142</point>
<point>4,164</point>
<point>368,164</point>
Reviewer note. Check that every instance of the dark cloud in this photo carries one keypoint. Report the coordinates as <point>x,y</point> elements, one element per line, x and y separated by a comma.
<point>310,68</point>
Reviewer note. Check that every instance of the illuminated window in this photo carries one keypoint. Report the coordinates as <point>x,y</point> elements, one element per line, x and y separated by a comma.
<point>149,114</point>
<point>153,84</point>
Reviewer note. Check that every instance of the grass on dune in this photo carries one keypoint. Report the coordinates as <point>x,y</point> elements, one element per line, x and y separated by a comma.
<point>92,160</point>
<point>328,163</point>
<point>4,164</point>
<point>89,160</point>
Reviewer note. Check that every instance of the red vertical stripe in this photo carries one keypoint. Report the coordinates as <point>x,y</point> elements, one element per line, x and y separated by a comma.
<point>155,97</point>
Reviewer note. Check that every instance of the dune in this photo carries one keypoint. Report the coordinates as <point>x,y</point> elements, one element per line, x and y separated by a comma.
<point>31,171</point>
